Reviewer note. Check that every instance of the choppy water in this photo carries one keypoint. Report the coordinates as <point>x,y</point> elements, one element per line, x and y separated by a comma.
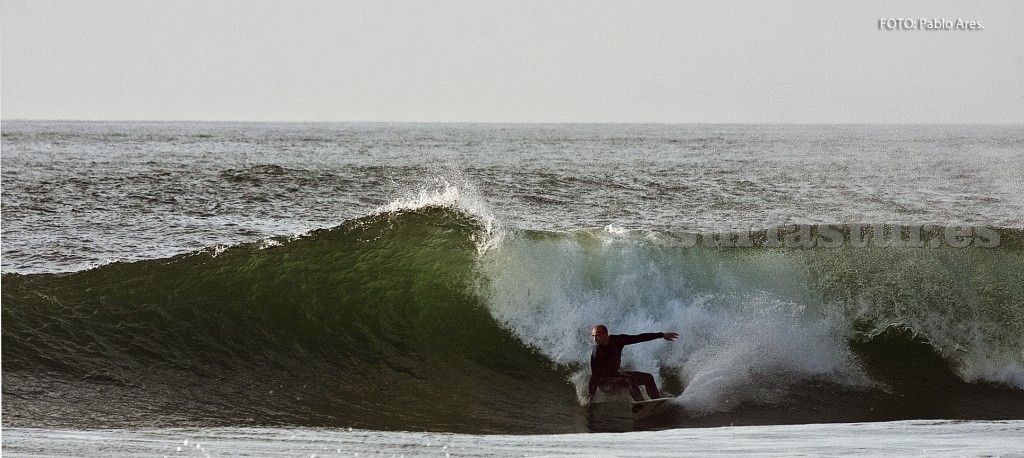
<point>79,194</point>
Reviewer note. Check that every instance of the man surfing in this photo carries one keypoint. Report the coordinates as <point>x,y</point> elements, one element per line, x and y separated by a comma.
<point>607,356</point>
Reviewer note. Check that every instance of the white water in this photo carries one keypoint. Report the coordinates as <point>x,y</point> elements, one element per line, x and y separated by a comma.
<point>904,438</point>
<point>748,327</point>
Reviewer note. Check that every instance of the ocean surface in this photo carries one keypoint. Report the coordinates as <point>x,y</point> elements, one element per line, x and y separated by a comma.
<point>380,286</point>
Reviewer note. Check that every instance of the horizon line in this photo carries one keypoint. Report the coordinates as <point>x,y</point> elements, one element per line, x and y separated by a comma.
<point>449,122</point>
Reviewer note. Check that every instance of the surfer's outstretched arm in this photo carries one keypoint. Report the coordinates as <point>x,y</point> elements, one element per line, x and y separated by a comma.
<point>626,339</point>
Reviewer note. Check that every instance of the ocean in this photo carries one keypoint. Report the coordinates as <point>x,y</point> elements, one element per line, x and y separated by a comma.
<point>261,289</point>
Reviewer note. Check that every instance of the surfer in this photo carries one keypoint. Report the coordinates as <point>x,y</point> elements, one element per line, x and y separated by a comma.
<point>607,356</point>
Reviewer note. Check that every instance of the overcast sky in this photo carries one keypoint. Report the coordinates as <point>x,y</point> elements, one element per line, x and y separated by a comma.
<point>513,61</point>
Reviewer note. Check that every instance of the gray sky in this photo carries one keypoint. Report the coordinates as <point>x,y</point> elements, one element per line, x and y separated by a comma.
<point>511,61</point>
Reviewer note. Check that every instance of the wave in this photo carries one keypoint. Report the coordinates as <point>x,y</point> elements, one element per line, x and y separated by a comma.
<point>426,315</point>
<point>368,324</point>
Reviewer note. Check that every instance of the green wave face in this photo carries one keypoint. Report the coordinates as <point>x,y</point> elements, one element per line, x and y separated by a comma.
<point>426,319</point>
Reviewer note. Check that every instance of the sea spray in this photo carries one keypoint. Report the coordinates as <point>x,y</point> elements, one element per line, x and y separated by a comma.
<point>743,334</point>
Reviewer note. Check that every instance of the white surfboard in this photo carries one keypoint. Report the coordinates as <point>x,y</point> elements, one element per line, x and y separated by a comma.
<point>643,409</point>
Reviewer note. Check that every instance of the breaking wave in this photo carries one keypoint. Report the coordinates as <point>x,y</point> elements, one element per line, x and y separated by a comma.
<point>428,315</point>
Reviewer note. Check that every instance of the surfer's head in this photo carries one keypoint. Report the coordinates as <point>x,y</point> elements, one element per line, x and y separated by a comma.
<point>600,334</point>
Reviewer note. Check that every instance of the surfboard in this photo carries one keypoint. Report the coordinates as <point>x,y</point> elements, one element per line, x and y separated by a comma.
<point>642,409</point>
<point>619,398</point>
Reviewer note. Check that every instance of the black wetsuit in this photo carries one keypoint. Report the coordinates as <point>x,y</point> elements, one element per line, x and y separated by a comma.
<point>605,362</point>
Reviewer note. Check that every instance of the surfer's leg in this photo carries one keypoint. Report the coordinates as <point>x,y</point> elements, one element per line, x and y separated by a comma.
<point>645,379</point>
<point>629,381</point>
